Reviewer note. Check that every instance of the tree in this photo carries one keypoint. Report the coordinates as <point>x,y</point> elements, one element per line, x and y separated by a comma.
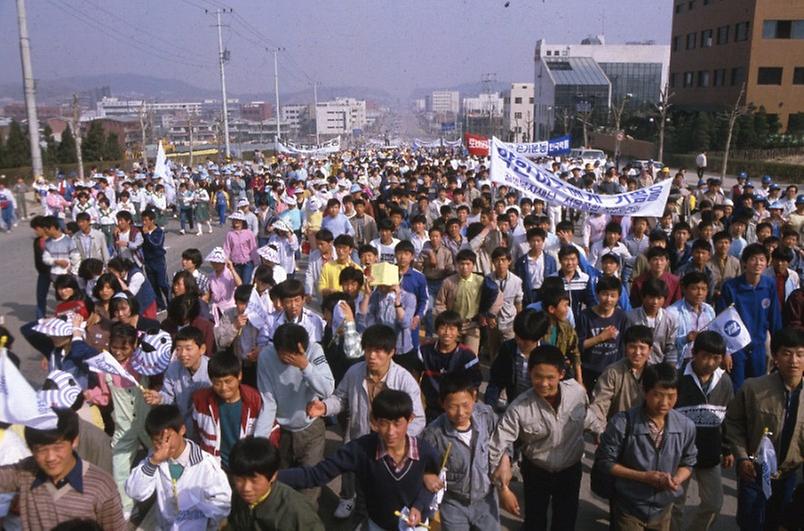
<point>662,108</point>
<point>18,150</point>
<point>111,148</point>
<point>701,132</point>
<point>746,138</point>
<point>739,109</point>
<point>3,153</point>
<point>93,145</point>
<point>50,154</point>
<point>761,127</point>
<point>66,150</point>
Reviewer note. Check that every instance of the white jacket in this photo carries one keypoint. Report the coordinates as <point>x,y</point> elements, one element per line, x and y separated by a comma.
<point>202,495</point>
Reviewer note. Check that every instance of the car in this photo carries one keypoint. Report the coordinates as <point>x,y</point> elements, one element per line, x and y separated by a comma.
<point>588,156</point>
<point>657,166</point>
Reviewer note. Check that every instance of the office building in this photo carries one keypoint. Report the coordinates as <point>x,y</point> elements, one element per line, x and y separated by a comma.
<point>518,112</point>
<point>718,46</point>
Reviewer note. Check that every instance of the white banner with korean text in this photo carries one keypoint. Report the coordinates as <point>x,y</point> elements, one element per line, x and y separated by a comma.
<point>514,170</point>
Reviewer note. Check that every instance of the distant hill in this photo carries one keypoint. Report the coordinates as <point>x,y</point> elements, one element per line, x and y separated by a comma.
<point>148,87</point>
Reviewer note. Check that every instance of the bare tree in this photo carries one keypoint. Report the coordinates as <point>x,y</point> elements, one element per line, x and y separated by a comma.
<point>738,109</point>
<point>617,114</point>
<point>663,108</point>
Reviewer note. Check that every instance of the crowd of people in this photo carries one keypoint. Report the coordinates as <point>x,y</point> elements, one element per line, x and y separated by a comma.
<point>461,337</point>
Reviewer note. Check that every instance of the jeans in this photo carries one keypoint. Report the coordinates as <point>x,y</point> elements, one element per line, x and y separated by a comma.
<point>157,276</point>
<point>42,287</point>
<point>221,208</point>
<point>244,271</point>
<point>186,216</point>
<point>559,490</point>
<point>754,512</point>
<point>8,217</point>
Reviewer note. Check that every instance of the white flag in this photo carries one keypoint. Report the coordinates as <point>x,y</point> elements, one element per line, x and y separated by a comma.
<point>19,403</point>
<point>767,463</point>
<point>161,168</point>
<point>105,362</point>
<point>734,332</point>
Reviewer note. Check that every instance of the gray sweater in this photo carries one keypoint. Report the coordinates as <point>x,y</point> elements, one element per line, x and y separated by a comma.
<point>286,390</point>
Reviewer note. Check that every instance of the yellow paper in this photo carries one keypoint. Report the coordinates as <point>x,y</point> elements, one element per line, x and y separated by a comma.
<point>385,274</point>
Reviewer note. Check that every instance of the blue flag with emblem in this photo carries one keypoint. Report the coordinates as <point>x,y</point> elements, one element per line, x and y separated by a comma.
<point>731,327</point>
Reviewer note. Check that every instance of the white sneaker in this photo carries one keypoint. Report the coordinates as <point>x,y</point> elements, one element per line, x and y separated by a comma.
<point>199,233</point>
<point>182,232</point>
<point>345,509</point>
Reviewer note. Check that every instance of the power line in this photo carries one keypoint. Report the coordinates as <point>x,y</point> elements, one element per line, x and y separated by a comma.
<point>99,26</point>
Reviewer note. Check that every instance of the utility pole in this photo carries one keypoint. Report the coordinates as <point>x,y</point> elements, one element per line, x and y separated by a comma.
<point>618,114</point>
<point>732,114</point>
<point>190,126</point>
<point>315,96</point>
<point>142,131</point>
<point>77,134</point>
<point>223,56</point>
<point>30,90</point>
<point>488,79</point>
<point>276,89</point>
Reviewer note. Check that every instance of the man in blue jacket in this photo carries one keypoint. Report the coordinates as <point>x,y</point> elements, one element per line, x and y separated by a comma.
<point>754,296</point>
<point>153,258</point>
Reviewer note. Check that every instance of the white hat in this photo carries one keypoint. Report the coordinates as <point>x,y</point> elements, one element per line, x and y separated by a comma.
<point>217,256</point>
<point>314,204</point>
<point>269,253</point>
<point>728,202</point>
<point>242,203</point>
<point>237,215</point>
<point>288,200</point>
<point>154,353</point>
<point>54,326</point>
<point>281,224</point>
<point>65,393</point>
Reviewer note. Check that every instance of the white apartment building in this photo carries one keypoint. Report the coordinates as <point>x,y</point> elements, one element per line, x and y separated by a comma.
<point>518,112</point>
<point>445,101</point>
<point>340,116</point>
<point>486,104</point>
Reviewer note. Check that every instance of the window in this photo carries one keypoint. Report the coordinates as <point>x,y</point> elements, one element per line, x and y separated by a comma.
<point>675,44</point>
<point>517,115</point>
<point>706,39</point>
<point>690,4</point>
<point>517,100</point>
<point>783,29</point>
<point>678,8</point>
<point>723,34</point>
<point>691,40</point>
<point>530,100</point>
<point>737,75</point>
<point>703,78</point>
<point>769,75</point>
<point>741,31</point>
<point>706,2</point>
<point>688,79</point>
<point>798,75</point>
<point>673,80</point>
<point>549,53</point>
<point>719,77</point>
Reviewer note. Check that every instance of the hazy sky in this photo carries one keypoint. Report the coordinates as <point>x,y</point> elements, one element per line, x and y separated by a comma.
<point>396,45</point>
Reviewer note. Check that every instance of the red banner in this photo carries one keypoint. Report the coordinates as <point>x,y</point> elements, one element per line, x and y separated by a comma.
<point>477,145</point>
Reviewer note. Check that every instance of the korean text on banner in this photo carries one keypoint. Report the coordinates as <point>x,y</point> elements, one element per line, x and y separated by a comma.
<point>533,180</point>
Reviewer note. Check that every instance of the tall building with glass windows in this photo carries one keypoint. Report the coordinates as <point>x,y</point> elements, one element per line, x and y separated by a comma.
<point>719,46</point>
<point>593,76</point>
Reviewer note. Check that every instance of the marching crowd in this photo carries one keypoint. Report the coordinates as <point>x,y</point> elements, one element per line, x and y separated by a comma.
<point>462,338</point>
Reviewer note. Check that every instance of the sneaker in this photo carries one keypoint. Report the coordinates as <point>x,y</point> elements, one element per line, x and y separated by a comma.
<point>200,232</point>
<point>182,232</point>
<point>345,509</point>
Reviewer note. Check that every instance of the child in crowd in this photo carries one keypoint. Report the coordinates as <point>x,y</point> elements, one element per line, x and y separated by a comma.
<point>330,271</point>
<point>129,408</point>
<point>599,331</point>
<point>619,387</point>
<point>192,492</point>
<point>227,410</point>
<point>549,421</point>
<point>390,465</point>
<point>186,374</point>
<point>355,393</point>
<point>661,321</point>
<point>222,283</point>
<point>533,267</point>
<point>259,501</point>
<point>292,371</point>
<point>501,327</point>
<point>445,356</point>
<point>704,392</point>
<point>191,262</point>
<point>465,430</point>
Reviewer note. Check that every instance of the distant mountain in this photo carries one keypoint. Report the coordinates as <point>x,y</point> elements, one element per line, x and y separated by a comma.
<point>466,89</point>
<point>138,86</point>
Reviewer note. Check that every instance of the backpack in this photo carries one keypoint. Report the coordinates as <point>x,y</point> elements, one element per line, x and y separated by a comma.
<point>602,482</point>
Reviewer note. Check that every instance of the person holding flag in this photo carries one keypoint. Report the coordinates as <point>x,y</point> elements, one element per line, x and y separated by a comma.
<point>754,297</point>
<point>769,408</point>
